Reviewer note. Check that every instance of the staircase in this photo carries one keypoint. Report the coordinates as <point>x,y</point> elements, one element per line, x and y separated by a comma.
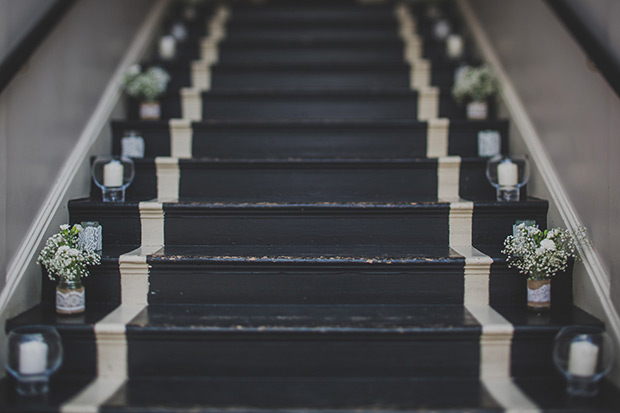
<point>308,232</point>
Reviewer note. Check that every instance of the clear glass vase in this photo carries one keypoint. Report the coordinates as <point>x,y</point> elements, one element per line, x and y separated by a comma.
<point>70,297</point>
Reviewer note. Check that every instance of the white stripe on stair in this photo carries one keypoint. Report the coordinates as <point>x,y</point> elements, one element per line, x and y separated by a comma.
<point>94,395</point>
<point>191,103</point>
<point>181,137</point>
<point>135,275</point>
<point>201,69</point>
<point>448,178</point>
<point>420,74</point>
<point>437,134</point>
<point>428,103</point>
<point>168,179</point>
<point>152,223</point>
<point>497,332</point>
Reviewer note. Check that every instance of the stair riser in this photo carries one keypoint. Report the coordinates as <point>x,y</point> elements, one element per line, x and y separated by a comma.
<point>300,53</point>
<point>232,78</point>
<point>309,32</point>
<point>214,354</point>
<point>306,140</point>
<point>314,13</point>
<point>298,107</point>
<point>178,283</point>
<point>418,227</point>
<point>317,182</point>
<point>296,79</point>
<point>103,285</point>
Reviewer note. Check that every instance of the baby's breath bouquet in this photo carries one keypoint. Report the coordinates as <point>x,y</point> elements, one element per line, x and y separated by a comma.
<point>474,84</point>
<point>148,85</point>
<point>541,254</point>
<point>63,258</point>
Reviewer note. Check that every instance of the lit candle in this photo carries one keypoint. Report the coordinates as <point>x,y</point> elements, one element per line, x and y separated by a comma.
<point>113,173</point>
<point>507,173</point>
<point>32,357</point>
<point>167,47</point>
<point>582,358</point>
<point>454,46</point>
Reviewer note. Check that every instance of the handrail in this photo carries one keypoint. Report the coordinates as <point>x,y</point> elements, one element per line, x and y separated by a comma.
<point>597,52</point>
<point>24,49</point>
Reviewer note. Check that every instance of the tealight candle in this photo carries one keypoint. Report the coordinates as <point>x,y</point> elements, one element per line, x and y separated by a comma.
<point>582,358</point>
<point>507,173</point>
<point>167,47</point>
<point>32,357</point>
<point>454,46</point>
<point>113,174</point>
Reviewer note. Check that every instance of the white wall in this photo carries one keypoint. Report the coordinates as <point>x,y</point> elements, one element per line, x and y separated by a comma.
<point>46,106</point>
<point>574,111</point>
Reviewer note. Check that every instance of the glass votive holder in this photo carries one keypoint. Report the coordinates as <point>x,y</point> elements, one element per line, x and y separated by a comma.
<point>508,175</point>
<point>113,174</point>
<point>132,145</point>
<point>91,237</point>
<point>583,354</point>
<point>34,354</point>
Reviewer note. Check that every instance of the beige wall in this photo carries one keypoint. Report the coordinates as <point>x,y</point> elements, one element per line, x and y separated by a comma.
<point>46,106</point>
<point>575,112</point>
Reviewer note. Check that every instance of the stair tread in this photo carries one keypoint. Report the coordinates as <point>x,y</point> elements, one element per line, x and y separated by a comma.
<point>310,206</point>
<point>361,254</point>
<point>301,394</point>
<point>318,320</point>
<point>353,394</point>
<point>366,123</point>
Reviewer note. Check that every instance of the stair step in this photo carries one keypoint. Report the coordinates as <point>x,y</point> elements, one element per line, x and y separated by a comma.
<point>307,340</point>
<point>316,180</point>
<point>201,223</point>
<point>312,13</point>
<point>309,139</point>
<point>306,274</point>
<point>312,50</point>
<point>291,75</point>
<point>310,104</point>
<point>302,394</point>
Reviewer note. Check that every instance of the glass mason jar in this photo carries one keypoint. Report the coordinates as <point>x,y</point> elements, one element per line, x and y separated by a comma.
<point>70,297</point>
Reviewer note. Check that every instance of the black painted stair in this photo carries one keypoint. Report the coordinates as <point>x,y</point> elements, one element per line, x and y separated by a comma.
<point>306,261</point>
<point>260,139</point>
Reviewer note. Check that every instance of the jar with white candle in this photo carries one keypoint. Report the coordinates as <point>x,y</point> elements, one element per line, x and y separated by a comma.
<point>584,355</point>
<point>455,46</point>
<point>508,175</point>
<point>167,47</point>
<point>113,174</point>
<point>34,353</point>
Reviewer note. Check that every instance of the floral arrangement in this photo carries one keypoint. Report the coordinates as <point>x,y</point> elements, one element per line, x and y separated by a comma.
<point>147,85</point>
<point>475,84</point>
<point>62,256</point>
<point>541,254</point>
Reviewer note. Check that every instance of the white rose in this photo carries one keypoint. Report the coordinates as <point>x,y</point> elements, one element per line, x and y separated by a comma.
<point>547,245</point>
<point>64,227</point>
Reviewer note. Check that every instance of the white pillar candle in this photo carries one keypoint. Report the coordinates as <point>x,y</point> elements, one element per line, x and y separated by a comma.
<point>582,358</point>
<point>32,357</point>
<point>113,174</point>
<point>167,47</point>
<point>441,29</point>
<point>507,173</point>
<point>454,46</point>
